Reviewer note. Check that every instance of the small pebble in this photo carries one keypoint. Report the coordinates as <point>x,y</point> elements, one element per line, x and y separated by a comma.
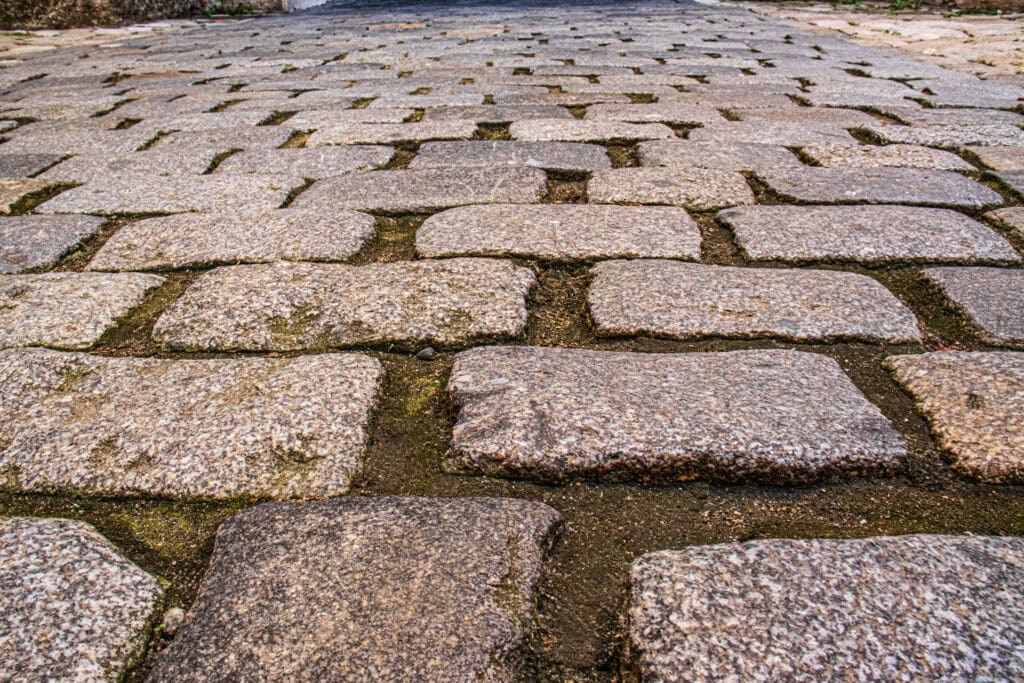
<point>426,354</point>
<point>172,620</point>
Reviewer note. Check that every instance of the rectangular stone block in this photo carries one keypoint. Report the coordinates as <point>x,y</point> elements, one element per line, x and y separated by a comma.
<point>288,306</point>
<point>374,588</point>
<point>880,186</point>
<point>771,133</point>
<point>31,242</point>
<point>223,428</point>
<point>389,133</point>
<point>867,234</point>
<point>423,189</point>
<point>319,162</point>
<point>928,607</point>
<point>885,156</point>
<point>660,112</point>
<point>1000,157</point>
<point>489,113</point>
<point>13,190</point>
<point>67,310</point>
<point>555,156</point>
<point>992,298</point>
<point>722,156</point>
<point>697,189</point>
<point>560,232</point>
<point>574,130</point>
<point>764,415</point>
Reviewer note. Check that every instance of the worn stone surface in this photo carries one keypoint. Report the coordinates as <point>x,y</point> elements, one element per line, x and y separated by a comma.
<point>880,186</point>
<point>367,589</point>
<point>1014,180</point>
<point>881,156</point>
<point>30,242</point>
<point>558,156</point>
<point>689,300</point>
<point>409,190</point>
<point>86,168</point>
<point>219,428</point>
<point>771,133</point>
<point>202,239</point>
<point>766,415</point>
<point>868,234</point>
<point>953,135</point>
<point>489,113</point>
<point>661,112</point>
<point>321,162</point>
<point>586,131</point>
<point>723,156</point>
<point>23,165</point>
<point>1012,217</point>
<point>1001,158</point>
<point>13,190</point>
<point>383,133</point>
<point>699,189</point>
<point>560,232</point>
<point>993,298</point>
<point>223,139</point>
<point>285,306</point>
<point>974,402</point>
<point>156,194</point>
<point>71,606</point>
<point>67,310</point>
<point>887,608</point>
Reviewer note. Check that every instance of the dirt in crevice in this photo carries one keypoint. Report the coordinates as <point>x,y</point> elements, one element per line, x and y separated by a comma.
<point>394,239</point>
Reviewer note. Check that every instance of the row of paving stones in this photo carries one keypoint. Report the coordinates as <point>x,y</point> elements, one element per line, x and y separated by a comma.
<point>297,427</point>
<point>420,589</point>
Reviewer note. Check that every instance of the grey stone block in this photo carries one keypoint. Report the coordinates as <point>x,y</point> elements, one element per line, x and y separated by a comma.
<point>993,299</point>
<point>698,189</point>
<point>574,130</point>
<point>885,156</point>
<point>557,156</point>
<point>723,156</point>
<point>321,162</point>
<point>384,133</point>
<point>31,242</point>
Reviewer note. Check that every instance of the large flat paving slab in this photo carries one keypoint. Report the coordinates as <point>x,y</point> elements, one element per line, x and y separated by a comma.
<point>320,162</point>
<point>202,239</point>
<point>880,186</point>
<point>24,165</point>
<point>132,194</point>
<point>974,402</point>
<point>764,415</point>
<point>575,130</point>
<point>386,133</point>
<point>557,156</point>
<point>215,429</point>
<point>885,156</point>
<point>560,232</point>
<point>999,157</point>
<point>37,242</point>
<point>375,588</point>
<point>72,608</point>
<point>698,189</point>
<point>67,310</point>
<point>889,608</point>
<point>992,298</point>
<point>690,300</point>
<point>410,190</point>
<point>290,306</point>
<point>865,234</point>
<point>723,156</point>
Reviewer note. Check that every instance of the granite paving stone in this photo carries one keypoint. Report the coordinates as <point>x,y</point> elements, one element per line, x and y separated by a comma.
<point>884,608</point>
<point>203,239</point>
<point>1014,180</point>
<point>689,300</point>
<point>698,189</point>
<point>67,310</point>
<point>72,607</point>
<point>36,242</point>
<point>24,165</point>
<point>385,133</point>
<point>490,113</point>
<point>560,232</point>
<point>575,130</point>
<point>723,156</point>
<point>765,415</point>
<point>72,140</point>
<point>866,234</point>
<point>993,299</point>
<point>1012,217</point>
<point>320,162</point>
<point>974,402</point>
<point>998,157</point>
<point>881,186</point>
<point>660,112</point>
<point>409,190</point>
<point>93,168</point>
<point>325,118</point>
<point>290,306</point>
<point>880,156</point>
<point>951,135</point>
<point>223,139</point>
<point>13,190</point>
<point>209,429</point>
<point>371,588</point>
<point>169,194</point>
<point>558,156</point>
<point>771,133</point>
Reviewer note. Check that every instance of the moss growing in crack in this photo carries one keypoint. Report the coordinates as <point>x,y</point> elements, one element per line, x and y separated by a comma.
<point>276,118</point>
<point>493,131</point>
<point>32,200</point>
<point>133,334</point>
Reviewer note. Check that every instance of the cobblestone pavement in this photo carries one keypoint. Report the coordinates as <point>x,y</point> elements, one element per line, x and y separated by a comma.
<point>555,342</point>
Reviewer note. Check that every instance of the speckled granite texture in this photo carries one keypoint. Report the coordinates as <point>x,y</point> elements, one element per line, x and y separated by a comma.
<point>698,189</point>
<point>67,310</point>
<point>765,415</point>
<point>921,608</point>
<point>29,242</point>
<point>559,156</point>
<point>183,428</point>
<point>974,403</point>
<point>691,300</point>
<point>197,239</point>
<point>992,298</point>
<point>284,306</point>
<point>367,589</point>
<point>72,608</point>
<point>560,232</point>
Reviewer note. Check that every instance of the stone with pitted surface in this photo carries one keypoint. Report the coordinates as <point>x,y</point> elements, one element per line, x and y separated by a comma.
<point>31,242</point>
<point>558,156</point>
<point>698,189</point>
